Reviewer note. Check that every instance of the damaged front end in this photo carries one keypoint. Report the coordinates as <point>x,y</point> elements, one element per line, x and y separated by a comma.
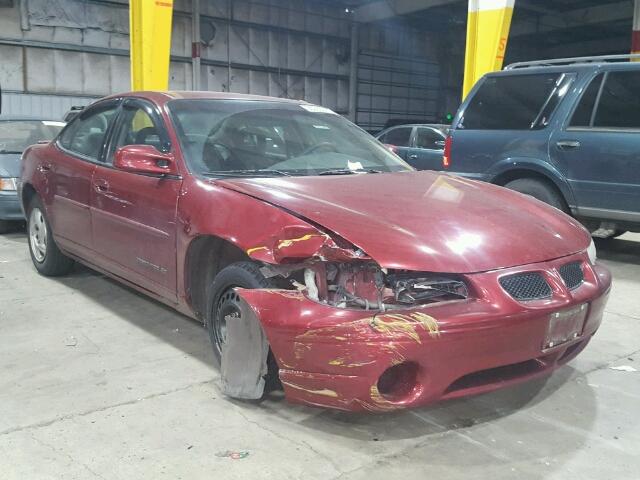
<point>355,299</point>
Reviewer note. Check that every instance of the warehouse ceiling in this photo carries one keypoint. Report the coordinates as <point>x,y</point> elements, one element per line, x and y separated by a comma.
<point>541,28</point>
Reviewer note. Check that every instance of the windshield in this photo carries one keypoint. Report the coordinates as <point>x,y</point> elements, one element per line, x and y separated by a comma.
<point>17,135</point>
<point>239,137</point>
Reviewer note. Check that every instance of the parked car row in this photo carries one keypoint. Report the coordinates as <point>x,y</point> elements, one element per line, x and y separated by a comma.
<point>319,260</point>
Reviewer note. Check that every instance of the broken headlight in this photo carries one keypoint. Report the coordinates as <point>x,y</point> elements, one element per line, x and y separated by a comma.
<point>366,285</point>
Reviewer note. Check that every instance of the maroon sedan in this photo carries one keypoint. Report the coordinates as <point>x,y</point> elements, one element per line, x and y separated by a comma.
<point>318,260</point>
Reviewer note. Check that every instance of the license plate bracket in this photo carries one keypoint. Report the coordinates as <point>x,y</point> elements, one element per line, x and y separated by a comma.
<point>565,326</point>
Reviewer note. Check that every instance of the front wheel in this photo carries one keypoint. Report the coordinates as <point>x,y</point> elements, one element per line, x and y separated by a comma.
<point>224,304</point>
<point>45,254</point>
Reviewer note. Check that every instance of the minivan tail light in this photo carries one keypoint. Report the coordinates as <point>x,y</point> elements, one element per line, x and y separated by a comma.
<point>446,158</point>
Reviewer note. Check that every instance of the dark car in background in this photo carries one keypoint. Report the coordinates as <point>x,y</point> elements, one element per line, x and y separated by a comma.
<point>16,134</point>
<point>566,132</point>
<point>420,145</point>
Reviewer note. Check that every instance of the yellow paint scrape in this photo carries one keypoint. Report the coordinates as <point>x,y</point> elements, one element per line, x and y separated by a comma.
<point>324,392</point>
<point>400,324</point>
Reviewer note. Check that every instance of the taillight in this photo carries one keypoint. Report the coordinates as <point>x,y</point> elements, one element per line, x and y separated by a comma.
<point>446,158</point>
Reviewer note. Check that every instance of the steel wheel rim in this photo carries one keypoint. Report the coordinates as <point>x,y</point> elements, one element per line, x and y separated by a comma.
<point>228,306</point>
<point>38,235</point>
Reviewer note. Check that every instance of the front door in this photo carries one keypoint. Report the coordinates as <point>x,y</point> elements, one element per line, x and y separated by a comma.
<point>600,147</point>
<point>427,149</point>
<point>70,172</point>
<point>134,215</point>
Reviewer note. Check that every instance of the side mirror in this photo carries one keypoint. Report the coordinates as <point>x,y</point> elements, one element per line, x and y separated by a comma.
<point>440,143</point>
<point>145,159</point>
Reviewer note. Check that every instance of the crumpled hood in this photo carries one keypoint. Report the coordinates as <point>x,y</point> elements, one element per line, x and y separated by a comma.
<point>10,165</point>
<point>424,221</point>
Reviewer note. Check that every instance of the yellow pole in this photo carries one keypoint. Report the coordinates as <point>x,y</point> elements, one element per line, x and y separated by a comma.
<point>488,27</point>
<point>635,36</point>
<point>150,35</point>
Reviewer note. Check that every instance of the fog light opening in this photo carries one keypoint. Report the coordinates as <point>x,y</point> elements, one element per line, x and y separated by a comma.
<point>398,382</point>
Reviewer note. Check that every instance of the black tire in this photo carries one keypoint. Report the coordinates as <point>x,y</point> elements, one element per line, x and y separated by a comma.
<point>540,190</point>
<point>5,226</point>
<point>222,300</point>
<point>53,263</point>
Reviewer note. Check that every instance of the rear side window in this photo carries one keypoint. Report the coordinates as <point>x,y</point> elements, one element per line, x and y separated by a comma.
<point>399,137</point>
<point>619,105</point>
<point>584,110</point>
<point>512,102</point>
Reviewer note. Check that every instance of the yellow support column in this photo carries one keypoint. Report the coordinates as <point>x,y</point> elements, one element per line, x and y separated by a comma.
<point>488,27</point>
<point>150,36</point>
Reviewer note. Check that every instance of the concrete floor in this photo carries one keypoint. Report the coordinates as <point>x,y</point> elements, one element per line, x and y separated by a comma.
<point>98,381</point>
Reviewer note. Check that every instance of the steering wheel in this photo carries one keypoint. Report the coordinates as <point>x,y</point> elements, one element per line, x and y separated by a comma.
<point>319,146</point>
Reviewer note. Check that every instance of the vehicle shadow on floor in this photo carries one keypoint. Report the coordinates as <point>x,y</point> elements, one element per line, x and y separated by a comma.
<point>165,323</point>
<point>619,250</point>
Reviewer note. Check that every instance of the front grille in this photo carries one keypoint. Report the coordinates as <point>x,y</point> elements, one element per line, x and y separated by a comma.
<point>572,275</point>
<point>526,286</point>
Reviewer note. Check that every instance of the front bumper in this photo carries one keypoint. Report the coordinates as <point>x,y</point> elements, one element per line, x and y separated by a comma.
<point>10,206</point>
<point>334,357</point>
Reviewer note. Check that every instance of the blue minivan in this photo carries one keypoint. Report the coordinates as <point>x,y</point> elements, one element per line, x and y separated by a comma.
<point>566,132</point>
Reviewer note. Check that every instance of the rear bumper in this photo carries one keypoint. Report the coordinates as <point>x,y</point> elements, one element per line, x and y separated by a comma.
<point>10,206</point>
<point>333,357</point>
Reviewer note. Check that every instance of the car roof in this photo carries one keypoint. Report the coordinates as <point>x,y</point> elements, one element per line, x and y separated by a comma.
<point>162,97</point>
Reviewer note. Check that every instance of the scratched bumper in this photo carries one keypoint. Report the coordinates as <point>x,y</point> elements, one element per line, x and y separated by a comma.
<point>334,357</point>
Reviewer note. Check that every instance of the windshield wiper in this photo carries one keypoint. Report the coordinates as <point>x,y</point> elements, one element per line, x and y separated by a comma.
<point>236,173</point>
<point>13,152</point>
<point>347,171</point>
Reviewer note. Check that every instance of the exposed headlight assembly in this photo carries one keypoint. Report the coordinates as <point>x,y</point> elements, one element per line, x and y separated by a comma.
<point>591,251</point>
<point>366,285</point>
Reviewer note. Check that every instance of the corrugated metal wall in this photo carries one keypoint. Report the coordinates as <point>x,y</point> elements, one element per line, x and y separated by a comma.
<point>52,107</point>
<point>285,48</point>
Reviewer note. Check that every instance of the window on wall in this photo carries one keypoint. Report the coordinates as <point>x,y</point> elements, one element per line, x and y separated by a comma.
<point>510,102</point>
<point>619,105</point>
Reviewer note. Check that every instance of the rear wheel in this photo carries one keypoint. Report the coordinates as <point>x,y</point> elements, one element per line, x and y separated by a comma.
<point>45,254</point>
<point>224,303</point>
<point>540,190</point>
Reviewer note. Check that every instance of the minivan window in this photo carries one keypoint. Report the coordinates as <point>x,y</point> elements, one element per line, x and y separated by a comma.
<point>398,137</point>
<point>509,102</point>
<point>619,105</point>
<point>584,110</point>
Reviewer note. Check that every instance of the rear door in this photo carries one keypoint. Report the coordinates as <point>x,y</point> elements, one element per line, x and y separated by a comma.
<point>70,171</point>
<point>427,149</point>
<point>134,215</point>
<point>505,122</point>
<point>400,139</point>
<point>600,147</point>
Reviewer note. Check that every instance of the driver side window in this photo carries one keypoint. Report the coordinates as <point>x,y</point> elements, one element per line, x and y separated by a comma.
<point>137,128</point>
<point>85,136</point>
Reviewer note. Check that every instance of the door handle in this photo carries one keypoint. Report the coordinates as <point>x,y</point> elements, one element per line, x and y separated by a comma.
<point>44,167</point>
<point>413,157</point>
<point>568,144</point>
